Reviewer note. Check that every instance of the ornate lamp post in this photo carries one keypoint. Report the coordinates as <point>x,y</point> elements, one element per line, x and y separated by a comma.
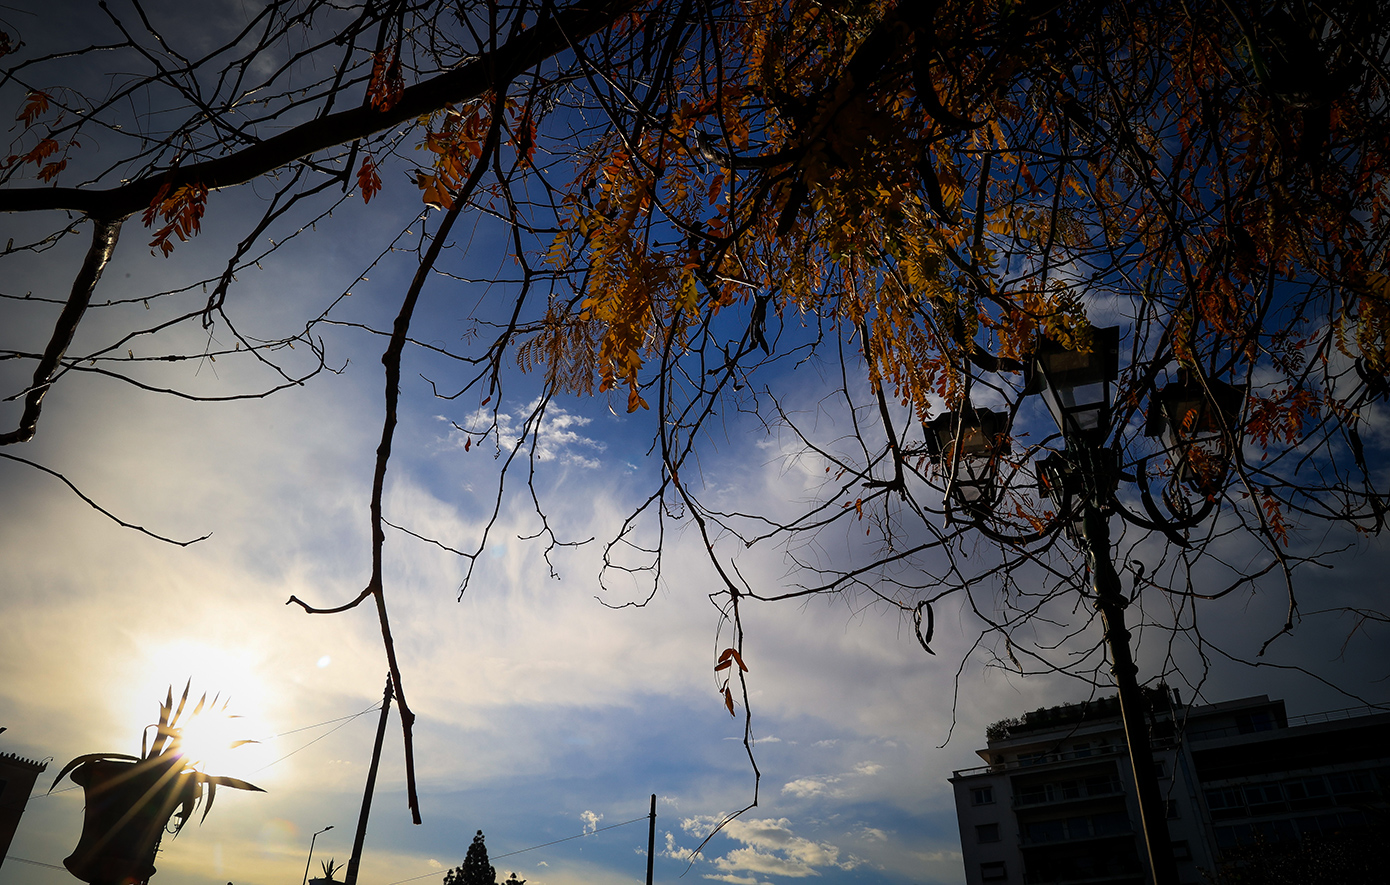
<point>1197,421</point>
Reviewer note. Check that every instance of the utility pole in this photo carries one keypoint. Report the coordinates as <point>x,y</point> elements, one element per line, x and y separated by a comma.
<point>351,878</point>
<point>651,839</point>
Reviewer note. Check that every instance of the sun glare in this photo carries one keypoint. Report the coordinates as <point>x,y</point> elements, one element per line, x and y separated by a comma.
<point>208,738</point>
<point>228,674</point>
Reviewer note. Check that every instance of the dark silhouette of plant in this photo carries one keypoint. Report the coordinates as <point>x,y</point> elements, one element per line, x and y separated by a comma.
<point>475,870</point>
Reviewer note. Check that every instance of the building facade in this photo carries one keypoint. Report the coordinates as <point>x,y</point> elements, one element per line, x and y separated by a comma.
<point>17,776</point>
<point>1054,802</point>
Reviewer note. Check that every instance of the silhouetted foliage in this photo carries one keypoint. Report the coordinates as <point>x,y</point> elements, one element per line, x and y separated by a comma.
<point>475,869</point>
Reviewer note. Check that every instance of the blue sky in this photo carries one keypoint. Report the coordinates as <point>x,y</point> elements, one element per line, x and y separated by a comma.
<point>543,713</point>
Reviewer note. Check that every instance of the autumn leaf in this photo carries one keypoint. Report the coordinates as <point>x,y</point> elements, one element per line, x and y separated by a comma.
<point>728,656</point>
<point>367,179</point>
<point>387,85</point>
<point>729,701</point>
<point>35,106</point>
<point>182,211</point>
<point>50,171</point>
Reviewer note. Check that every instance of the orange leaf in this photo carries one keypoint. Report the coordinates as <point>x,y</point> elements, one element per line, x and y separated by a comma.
<point>738,659</point>
<point>729,701</point>
<point>35,105</point>
<point>723,665</point>
<point>367,179</point>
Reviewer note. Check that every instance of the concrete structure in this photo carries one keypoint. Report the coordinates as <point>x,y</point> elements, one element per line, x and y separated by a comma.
<point>17,776</point>
<point>1054,802</point>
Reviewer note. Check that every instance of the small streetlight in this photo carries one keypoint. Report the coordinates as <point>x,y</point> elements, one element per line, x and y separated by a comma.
<point>967,443</point>
<point>311,852</point>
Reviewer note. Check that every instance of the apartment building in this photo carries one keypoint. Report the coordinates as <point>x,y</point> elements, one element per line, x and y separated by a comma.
<point>1054,802</point>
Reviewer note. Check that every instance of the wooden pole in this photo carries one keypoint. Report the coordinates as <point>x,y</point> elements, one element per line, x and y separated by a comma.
<point>351,877</point>
<point>651,840</point>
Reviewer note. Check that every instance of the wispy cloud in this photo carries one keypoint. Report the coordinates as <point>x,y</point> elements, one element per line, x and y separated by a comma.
<point>556,438</point>
<point>770,849</point>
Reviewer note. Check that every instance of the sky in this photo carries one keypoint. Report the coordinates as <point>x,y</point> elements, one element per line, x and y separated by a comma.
<point>546,710</point>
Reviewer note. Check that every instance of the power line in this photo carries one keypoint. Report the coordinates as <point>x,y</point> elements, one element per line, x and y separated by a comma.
<point>341,722</point>
<point>533,847</point>
<point>37,863</point>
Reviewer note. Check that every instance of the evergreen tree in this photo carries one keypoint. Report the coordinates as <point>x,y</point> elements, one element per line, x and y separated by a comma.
<point>475,869</point>
<point>513,880</point>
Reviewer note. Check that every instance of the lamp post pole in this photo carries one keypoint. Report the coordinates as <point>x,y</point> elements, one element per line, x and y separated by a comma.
<point>310,860</point>
<point>1111,603</point>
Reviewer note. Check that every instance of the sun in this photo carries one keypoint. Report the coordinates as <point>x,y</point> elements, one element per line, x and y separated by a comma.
<point>210,737</point>
<point>230,675</point>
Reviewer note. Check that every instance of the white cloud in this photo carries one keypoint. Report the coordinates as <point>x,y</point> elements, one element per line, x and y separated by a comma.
<point>557,439</point>
<point>868,769</point>
<point>757,861</point>
<point>809,786</point>
<point>674,851</point>
<point>770,848</point>
<point>590,821</point>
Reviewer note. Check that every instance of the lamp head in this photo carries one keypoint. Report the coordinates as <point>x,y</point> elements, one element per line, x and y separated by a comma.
<point>965,443</point>
<point>1198,421</point>
<point>1075,382</point>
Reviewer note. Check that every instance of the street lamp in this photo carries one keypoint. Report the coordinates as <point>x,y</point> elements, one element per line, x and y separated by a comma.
<point>1195,419</point>
<point>966,443</point>
<point>1076,382</point>
<point>311,852</point>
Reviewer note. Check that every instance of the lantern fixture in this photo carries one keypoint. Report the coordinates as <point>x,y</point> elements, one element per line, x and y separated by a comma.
<point>1197,422</point>
<point>1076,385</point>
<point>965,443</point>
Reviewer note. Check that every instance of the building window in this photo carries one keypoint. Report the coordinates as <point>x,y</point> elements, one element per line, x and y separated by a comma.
<point>987,833</point>
<point>1046,831</point>
<point>1344,785</point>
<point>1307,793</point>
<point>1160,768</point>
<point>1102,785</point>
<point>1172,807</point>
<point>1181,850</point>
<point>1110,823</point>
<point>1260,720</point>
<point>1033,794</point>
<point>1081,751</point>
<point>982,796</point>
<point>1264,799</point>
<point>1225,803</point>
<point>993,872</point>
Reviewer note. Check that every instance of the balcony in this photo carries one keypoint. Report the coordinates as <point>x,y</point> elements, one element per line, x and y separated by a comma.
<point>1069,757</point>
<point>1053,796</point>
